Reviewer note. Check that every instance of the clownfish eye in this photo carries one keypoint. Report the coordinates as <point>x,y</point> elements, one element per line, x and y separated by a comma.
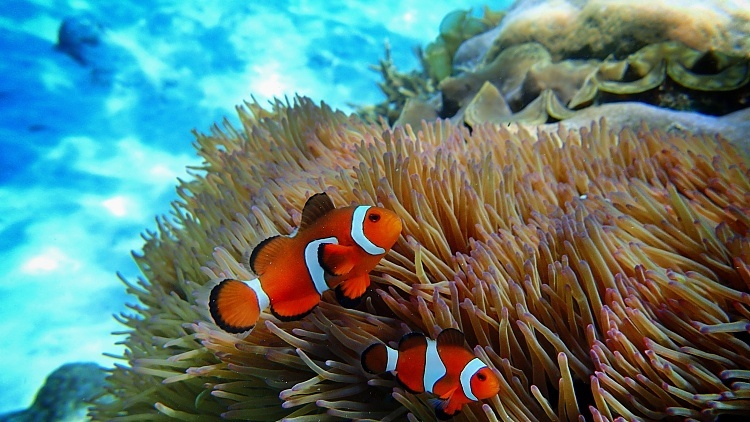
<point>374,217</point>
<point>481,377</point>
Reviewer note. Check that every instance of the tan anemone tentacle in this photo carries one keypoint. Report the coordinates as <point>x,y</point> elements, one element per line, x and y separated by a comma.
<point>602,274</point>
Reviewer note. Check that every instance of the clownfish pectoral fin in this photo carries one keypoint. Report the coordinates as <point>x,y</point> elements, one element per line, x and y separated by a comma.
<point>350,292</point>
<point>336,259</point>
<point>445,387</point>
<point>443,409</point>
<point>234,306</point>
<point>316,206</point>
<point>292,310</point>
<point>268,251</point>
<point>345,301</point>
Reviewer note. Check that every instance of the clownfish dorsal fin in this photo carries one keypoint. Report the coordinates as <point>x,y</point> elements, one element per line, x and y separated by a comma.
<point>267,252</point>
<point>451,337</point>
<point>316,206</point>
<point>411,340</point>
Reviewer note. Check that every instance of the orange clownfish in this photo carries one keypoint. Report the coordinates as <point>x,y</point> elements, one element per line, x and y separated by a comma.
<point>333,248</point>
<point>446,367</point>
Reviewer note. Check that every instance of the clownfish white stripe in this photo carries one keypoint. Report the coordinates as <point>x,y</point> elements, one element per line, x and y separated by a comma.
<point>390,364</point>
<point>358,231</point>
<point>469,370</point>
<point>316,271</point>
<point>434,368</point>
<point>263,299</point>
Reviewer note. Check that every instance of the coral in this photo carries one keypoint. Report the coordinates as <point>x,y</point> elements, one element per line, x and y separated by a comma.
<point>599,28</point>
<point>399,88</point>
<point>455,28</point>
<point>549,59</point>
<point>536,89</point>
<point>601,273</point>
<point>406,92</point>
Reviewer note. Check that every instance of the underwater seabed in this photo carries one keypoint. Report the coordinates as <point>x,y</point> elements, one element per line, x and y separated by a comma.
<point>573,180</point>
<point>581,214</point>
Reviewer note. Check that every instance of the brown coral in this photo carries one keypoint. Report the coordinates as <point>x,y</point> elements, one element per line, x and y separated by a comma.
<point>549,59</point>
<point>598,28</point>
<point>538,90</point>
<point>601,274</point>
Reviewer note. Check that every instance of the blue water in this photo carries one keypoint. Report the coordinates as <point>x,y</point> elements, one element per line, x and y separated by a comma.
<point>91,151</point>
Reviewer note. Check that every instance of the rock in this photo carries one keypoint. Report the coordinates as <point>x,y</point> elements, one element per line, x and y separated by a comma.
<point>80,37</point>
<point>86,40</point>
<point>733,127</point>
<point>65,396</point>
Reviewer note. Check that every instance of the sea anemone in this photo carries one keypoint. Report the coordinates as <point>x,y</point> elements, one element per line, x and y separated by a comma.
<point>601,273</point>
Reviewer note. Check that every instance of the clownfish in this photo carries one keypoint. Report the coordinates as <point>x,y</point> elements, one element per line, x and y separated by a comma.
<point>333,248</point>
<point>446,367</point>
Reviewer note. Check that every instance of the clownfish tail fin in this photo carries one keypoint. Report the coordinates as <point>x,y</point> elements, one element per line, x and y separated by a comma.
<point>375,358</point>
<point>235,305</point>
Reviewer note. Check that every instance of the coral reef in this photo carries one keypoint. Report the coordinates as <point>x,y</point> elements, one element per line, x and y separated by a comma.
<point>523,84</point>
<point>400,90</point>
<point>599,28</point>
<point>409,90</point>
<point>455,28</point>
<point>545,60</point>
<point>601,273</point>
